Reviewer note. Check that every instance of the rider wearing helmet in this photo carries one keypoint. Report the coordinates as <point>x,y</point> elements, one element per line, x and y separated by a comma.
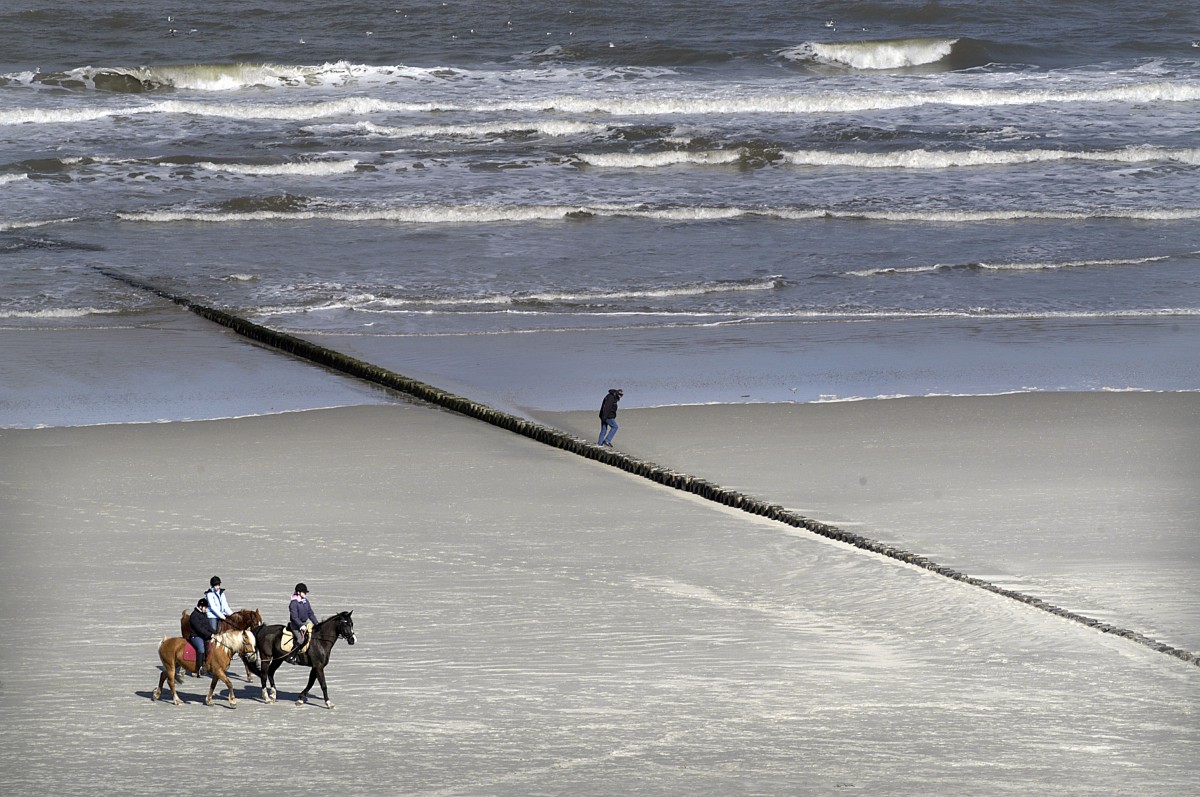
<point>201,631</point>
<point>218,604</point>
<point>301,618</point>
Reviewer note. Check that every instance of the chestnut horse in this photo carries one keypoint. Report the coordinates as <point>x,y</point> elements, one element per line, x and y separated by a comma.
<point>240,620</point>
<point>222,648</point>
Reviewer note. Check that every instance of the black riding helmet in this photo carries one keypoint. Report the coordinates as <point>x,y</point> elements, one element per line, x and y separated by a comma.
<point>301,587</point>
<point>202,603</point>
<point>215,581</point>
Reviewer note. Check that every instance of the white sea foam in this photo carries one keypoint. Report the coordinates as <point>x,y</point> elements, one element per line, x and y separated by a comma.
<point>25,225</point>
<point>481,130</point>
<point>481,214</point>
<point>58,312</point>
<point>5,179</point>
<point>871,55</point>
<point>629,105</point>
<point>642,160</point>
<point>1030,266</point>
<point>301,168</point>
<point>929,159</point>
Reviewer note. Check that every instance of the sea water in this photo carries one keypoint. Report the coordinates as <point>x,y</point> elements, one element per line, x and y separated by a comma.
<point>699,202</point>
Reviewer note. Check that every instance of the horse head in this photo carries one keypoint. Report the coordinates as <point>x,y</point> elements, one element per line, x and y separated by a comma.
<point>248,648</point>
<point>345,627</point>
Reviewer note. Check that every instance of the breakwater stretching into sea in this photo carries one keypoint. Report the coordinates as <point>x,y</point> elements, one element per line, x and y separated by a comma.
<point>656,473</point>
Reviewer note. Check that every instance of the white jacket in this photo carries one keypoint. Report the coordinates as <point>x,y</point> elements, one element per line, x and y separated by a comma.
<point>218,604</point>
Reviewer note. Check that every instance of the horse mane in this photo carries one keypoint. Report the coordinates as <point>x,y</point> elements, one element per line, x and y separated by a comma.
<point>231,638</point>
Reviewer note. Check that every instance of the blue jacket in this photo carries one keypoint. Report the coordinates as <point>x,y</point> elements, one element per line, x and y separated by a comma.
<point>218,604</point>
<point>300,610</point>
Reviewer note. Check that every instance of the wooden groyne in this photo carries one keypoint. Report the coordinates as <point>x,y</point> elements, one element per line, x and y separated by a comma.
<point>656,473</point>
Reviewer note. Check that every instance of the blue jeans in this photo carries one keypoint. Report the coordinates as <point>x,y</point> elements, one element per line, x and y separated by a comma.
<point>608,426</point>
<point>198,644</point>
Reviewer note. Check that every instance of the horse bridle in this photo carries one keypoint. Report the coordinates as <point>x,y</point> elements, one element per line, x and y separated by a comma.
<point>252,655</point>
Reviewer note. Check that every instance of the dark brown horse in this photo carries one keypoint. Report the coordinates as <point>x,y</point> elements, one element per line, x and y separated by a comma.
<point>324,634</point>
<point>222,648</point>
<point>241,620</point>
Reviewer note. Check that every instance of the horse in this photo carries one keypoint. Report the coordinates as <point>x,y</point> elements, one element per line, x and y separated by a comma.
<point>324,635</point>
<point>222,648</point>
<point>240,620</point>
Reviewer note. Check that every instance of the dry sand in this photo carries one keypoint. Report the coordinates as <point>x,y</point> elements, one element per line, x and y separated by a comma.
<point>532,623</point>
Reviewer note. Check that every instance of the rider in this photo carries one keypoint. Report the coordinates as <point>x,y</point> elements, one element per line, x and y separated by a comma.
<point>201,631</point>
<point>300,618</point>
<point>218,604</point>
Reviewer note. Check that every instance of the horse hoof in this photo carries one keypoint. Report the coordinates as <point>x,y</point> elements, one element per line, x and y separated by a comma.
<point>208,701</point>
<point>157,694</point>
<point>329,705</point>
<point>178,702</point>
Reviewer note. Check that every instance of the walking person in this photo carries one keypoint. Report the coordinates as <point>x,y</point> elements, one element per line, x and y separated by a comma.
<point>201,630</point>
<point>301,619</point>
<point>218,604</point>
<point>608,417</point>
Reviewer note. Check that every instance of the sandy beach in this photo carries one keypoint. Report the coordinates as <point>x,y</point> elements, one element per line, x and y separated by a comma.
<point>533,623</point>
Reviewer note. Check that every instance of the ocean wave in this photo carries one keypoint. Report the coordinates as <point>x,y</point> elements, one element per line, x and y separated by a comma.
<point>631,104</point>
<point>653,160</point>
<point>874,55</point>
<point>233,77</point>
<point>60,312</point>
<point>27,225</point>
<point>300,168</point>
<point>931,159</point>
<point>482,130</point>
<point>369,301</point>
<point>225,77</point>
<point>1050,265</point>
<point>5,179</point>
<point>298,209</point>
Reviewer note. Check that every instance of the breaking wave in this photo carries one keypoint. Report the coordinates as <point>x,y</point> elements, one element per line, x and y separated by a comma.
<point>629,105</point>
<point>1050,265</point>
<point>299,209</point>
<point>303,168</point>
<point>956,53</point>
<point>930,159</point>
<point>483,130</point>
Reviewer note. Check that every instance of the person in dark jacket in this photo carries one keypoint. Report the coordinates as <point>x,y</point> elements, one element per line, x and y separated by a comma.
<point>301,618</point>
<point>201,631</point>
<point>608,417</point>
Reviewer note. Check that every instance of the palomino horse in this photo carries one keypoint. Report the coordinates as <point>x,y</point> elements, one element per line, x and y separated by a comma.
<point>324,634</point>
<point>222,648</point>
<point>240,620</point>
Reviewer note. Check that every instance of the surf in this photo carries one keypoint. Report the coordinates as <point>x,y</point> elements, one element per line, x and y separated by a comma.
<point>890,54</point>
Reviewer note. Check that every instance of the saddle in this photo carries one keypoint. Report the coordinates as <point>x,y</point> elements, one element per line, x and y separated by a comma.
<point>288,640</point>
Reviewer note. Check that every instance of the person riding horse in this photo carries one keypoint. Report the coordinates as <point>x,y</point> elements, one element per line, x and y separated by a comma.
<point>301,617</point>
<point>201,630</point>
<point>218,603</point>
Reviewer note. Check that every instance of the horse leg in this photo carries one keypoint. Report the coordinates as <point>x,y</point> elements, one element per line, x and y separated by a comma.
<point>275,665</point>
<point>223,675</point>
<point>324,689</point>
<point>312,678</point>
<point>162,678</point>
